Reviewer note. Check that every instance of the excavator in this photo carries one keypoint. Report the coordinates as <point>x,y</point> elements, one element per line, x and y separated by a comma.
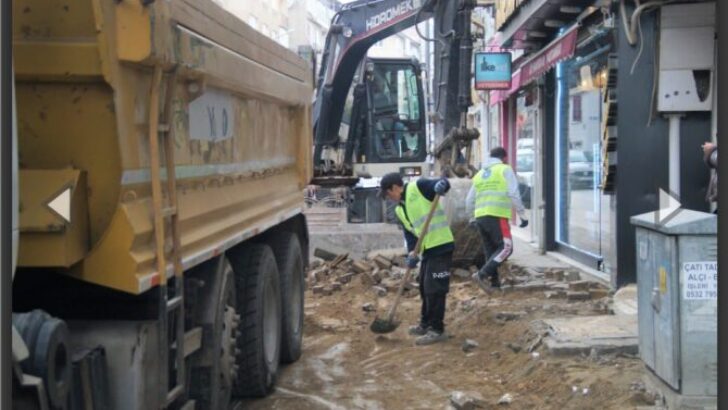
<point>354,29</point>
<point>381,100</point>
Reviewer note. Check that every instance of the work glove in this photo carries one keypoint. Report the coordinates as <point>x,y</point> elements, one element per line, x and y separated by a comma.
<point>524,223</point>
<point>442,186</point>
<point>412,260</point>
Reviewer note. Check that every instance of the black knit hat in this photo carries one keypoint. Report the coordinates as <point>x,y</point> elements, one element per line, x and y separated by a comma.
<point>498,152</point>
<point>388,181</point>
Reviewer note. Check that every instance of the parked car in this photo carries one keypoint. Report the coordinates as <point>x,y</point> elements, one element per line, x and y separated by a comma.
<point>581,170</point>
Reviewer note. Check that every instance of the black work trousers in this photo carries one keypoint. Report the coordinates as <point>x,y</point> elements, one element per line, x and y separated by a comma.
<point>434,281</point>
<point>497,244</point>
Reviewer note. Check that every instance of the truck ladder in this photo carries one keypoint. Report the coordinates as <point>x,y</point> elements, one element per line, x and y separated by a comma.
<point>171,300</point>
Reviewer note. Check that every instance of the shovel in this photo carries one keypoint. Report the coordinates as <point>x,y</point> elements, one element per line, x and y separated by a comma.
<point>388,324</point>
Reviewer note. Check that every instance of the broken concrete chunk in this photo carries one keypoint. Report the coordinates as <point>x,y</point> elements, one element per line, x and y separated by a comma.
<point>324,254</point>
<point>361,267</point>
<point>336,286</point>
<point>338,260</point>
<point>368,307</point>
<point>382,262</point>
<point>469,345</point>
<point>343,279</point>
<point>466,401</point>
<point>506,399</point>
<point>327,291</point>
<point>557,275</point>
<point>317,290</point>
<point>577,296</point>
<point>580,286</point>
<point>380,291</point>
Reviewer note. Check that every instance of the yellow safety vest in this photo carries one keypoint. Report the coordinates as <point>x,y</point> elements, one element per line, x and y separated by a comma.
<point>417,209</point>
<point>491,192</point>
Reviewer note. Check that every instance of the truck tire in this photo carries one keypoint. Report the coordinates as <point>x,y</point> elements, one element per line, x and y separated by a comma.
<point>47,341</point>
<point>212,370</point>
<point>289,257</point>
<point>257,284</point>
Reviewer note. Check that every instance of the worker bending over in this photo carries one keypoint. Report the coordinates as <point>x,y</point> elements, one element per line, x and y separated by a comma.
<point>493,194</point>
<point>414,201</point>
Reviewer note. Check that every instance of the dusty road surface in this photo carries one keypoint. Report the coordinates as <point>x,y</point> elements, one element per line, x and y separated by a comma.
<point>345,366</point>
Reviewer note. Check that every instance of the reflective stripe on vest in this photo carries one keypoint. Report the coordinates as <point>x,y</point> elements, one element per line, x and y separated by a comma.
<point>417,209</point>
<point>491,192</point>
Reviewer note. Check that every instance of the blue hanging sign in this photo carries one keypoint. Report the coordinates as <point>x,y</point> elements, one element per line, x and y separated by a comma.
<point>492,71</point>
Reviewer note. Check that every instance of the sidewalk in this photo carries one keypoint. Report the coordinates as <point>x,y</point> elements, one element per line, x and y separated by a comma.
<point>527,255</point>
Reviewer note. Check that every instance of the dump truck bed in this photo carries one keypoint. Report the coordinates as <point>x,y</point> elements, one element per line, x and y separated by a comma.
<point>239,107</point>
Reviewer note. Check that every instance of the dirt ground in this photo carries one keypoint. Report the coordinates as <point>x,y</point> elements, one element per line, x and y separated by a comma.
<point>345,366</point>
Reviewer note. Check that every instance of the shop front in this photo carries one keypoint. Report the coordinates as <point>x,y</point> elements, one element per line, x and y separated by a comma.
<point>584,215</point>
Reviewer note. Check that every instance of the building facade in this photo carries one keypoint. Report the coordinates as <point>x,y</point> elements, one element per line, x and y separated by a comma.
<point>601,116</point>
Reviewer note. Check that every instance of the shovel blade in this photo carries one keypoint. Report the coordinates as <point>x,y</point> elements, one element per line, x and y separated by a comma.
<point>383,326</point>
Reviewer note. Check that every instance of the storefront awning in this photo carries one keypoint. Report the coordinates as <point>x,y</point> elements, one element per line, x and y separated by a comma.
<point>536,21</point>
<point>558,50</point>
<point>537,65</point>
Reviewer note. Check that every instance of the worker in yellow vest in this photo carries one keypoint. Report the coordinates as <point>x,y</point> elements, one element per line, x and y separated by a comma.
<point>414,200</point>
<point>491,199</point>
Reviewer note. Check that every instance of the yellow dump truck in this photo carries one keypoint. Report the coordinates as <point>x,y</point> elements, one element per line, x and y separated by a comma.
<point>163,150</point>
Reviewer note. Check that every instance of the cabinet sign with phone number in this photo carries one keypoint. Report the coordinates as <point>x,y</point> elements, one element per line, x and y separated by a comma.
<point>700,280</point>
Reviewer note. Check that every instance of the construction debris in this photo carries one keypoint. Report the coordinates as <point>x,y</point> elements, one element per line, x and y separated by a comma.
<point>466,401</point>
<point>333,271</point>
<point>469,345</point>
<point>506,399</point>
<point>380,291</point>
<point>368,307</point>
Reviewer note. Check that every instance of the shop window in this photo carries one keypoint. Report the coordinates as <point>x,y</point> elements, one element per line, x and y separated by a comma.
<point>584,215</point>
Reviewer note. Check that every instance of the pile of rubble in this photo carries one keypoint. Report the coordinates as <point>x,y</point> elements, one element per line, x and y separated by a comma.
<point>380,271</point>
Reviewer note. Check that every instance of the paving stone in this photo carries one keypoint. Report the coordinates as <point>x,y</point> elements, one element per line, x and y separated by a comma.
<point>554,275</point>
<point>572,276</point>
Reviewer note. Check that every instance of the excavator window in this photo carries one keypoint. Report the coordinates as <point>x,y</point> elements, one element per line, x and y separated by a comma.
<point>396,118</point>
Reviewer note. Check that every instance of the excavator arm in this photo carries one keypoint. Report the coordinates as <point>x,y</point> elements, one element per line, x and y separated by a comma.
<point>357,26</point>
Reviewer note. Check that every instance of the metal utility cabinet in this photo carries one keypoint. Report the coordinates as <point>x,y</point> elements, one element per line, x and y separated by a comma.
<point>677,301</point>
